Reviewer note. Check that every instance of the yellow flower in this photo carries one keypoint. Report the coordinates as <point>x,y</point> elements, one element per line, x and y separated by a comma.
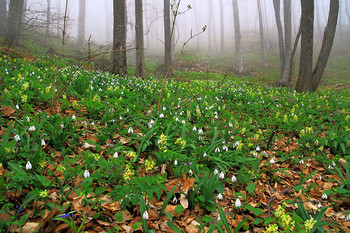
<point>272,229</point>
<point>129,172</point>
<point>309,224</point>
<point>131,154</point>
<point>25,85</point>
<point>47,90</point>
<point>149,165</point>
<point>96,98</point>
<point>61,169</point>
<point>24,98</point>
<point>285,118</point>
<point>280,211</point>
<point>43,193</point>
<point>181,142</point>
<point>162,142</point>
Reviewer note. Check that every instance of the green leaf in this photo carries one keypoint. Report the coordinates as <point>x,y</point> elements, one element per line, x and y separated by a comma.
<point>179,209</point>
<point>256,211</point>
<point>99,190</point>
<point>169,216</point>
<point>224,219</point>
<point>167,199</point>
<point>257,221</point>
<point>174,227</point>
<point>251,187</point>
<point>118,217</point>
<point>240,225</point>
<point>136,225</point>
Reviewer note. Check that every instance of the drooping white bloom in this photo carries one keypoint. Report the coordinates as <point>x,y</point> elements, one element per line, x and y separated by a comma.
<point>200,131</point>
<point>217,149</point>
<point>301,161</point>
<point>150,124</point>
<point>190,172</point>
<point>17,138</point>
<point>27,117</point>
<point>115,155</point>
<point>74,117</point>
<point>176,119</point>
<point>347,218</point>
<point>62,126</point>
<point>175,199</point>
<point>43,143</point>
<point>31,128</point>
<point>120,118</point>
<point>233,178</point>
<point>194,128</point>
<point>225,148</point>
<point>255,154</point>
<point>230,124</point>
<point>238,203</point>
<point>324,196</point>
<point>86,174</point>
<point>272,161</point>
<point>164,108</point>
<point>17,107</point>
<point>161,115</point>
<point>205,154</point>
<point>130,130</point>
<point>216,171</point>
<point>222,175</point>
<point>175,162</point>
<point>219,196</point>
<point>145,215</point>
<point>235,144</point>
<point>319,205</point>
<point>28,166</point>
<point>257,148</point>
<point>219,218</point>
<point>183,122</point>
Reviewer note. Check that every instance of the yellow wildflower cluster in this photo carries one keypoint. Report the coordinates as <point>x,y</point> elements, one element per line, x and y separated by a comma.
<point>256,137</point>
<point>295,118</point>
<point>285,118</point>
<point>131,154</point>
<point>129,172</point>
<point>162,142</point>
<point>61,169</point>
<point>198,112</point>
<point>272,228</point>
<point>24,98</point>
<point>188,114</point>
<point>309,224</point>
<point>181,142</point>
<point>96,156</point>
<point>47,90</point>
<point>43,193</point>
<point>25,85</point>
<point>42,164</point>
<point>96,98</point>
<point>243,130</point>
<point>149,165</point>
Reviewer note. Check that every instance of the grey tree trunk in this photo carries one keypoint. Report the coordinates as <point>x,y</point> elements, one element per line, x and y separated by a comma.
<point>262,37</point>
<point>14,22</point>
<point>347,10</point>
<point>304,82</point>
<point>318,21</point>
<point>327,44</point>
<point>287,41</point>
<point>222,29</point>
<point>238,44</point>
<point>3,8</point>
<point>167,37</point>
<point>140,50</point>
<point>119,62</point>
<point>277,7</point>
<point>48,22</point>
<point>81,25</point>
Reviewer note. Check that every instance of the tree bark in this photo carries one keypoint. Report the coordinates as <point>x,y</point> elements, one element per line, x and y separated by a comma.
<point>277,7</point>
<point>167,37</point>
<point>222,29</point>
<point>81,25</point>
<point>304,82</point>
<point>140,55</point>
<point>119,66</point>
<point>2,16</point>
<point>238,45</point>
<point>262,37</point>
<point>327,44</point>
<point>14,22</point>
<point>347,10</point>
<point>287,41</point>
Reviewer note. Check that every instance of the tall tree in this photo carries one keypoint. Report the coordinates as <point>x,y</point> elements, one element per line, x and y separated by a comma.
<point>48,22</point>
<point>222,28</point>
<point>277,7</point>
<point>309,80</point>
<point>140,55</point>
<point>347,10</point>
<point>81,25</point>
<point>287,41</point>
<point>2,16</point>
<point>238,44</point>
<point>14,22</point>
<point>167,37</point>
<point>119,63</point>
<point>262,36</point>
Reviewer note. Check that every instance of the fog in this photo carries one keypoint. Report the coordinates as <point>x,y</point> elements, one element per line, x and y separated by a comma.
<point>99,21</point>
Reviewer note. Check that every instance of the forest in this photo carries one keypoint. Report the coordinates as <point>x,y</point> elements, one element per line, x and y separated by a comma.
<point>174,116</point>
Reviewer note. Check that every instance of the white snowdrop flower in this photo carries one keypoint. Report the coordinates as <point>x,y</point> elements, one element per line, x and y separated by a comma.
<point>130,130</point>
<point>175,162</point>
<point>301,161</point>
<point>74,117</point>
<point>333,164</point>
<point>183,122</point>
<point>176,119</point>
<point>255,154</point>
<point>225,148</point>
<point>319,205</point>
<point>31,128</point>
<point>216,171</point>
<point>17,107</point>
<point>175,199</point>
<point>115,155</point>
<point>217,149</point>
<point>161,115</point>
<point>330,167</point>
<point>205,154</point>
<point>238,203</point>
<point>219,218</point>
<point>200,131</point>
<point>216,116</point>
<point>222,175</point>
<point>84,122</point>
<point>233,178</point>
<point>200,138</point>
<point>230,124</point>
<point>164,108</point>
<point>92,123</point>
<point>347,218</point>
<point>194,128</point>
<point>127,110</point>
<point>28,166</point>
<point>86,174</point>
<point>257,148</point>
<point>122,92</point>
<point>17,138</point>
<point>223,142</point>
<point>324,196</point>
<point>120,118</point>
<point>27,117</point>
<point>62,126</point>
<point>145,215</point>
<point>272,161</point>
<point>219,196</point>
<point>190,172</point>
<point>43,143</point>
<point>235,144</point>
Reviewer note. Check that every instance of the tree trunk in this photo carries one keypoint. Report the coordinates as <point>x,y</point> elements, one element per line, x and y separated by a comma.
<point>318,20</point>
<point>14,22</point>
<point>167,37</point>
<point>287,41</point>
<point>347,10</point>
<point>262,37</point>
<point>2,17</point>
<point>238,45</point>
<point>81,25</point>
<point>304,82</point>
<point>327,44</point>
<point>277,7</point>
<point>222,29</point>
<point>48,22</point>
<point>119,65</point>
<point>140,56</point>
<point>210,27</point>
